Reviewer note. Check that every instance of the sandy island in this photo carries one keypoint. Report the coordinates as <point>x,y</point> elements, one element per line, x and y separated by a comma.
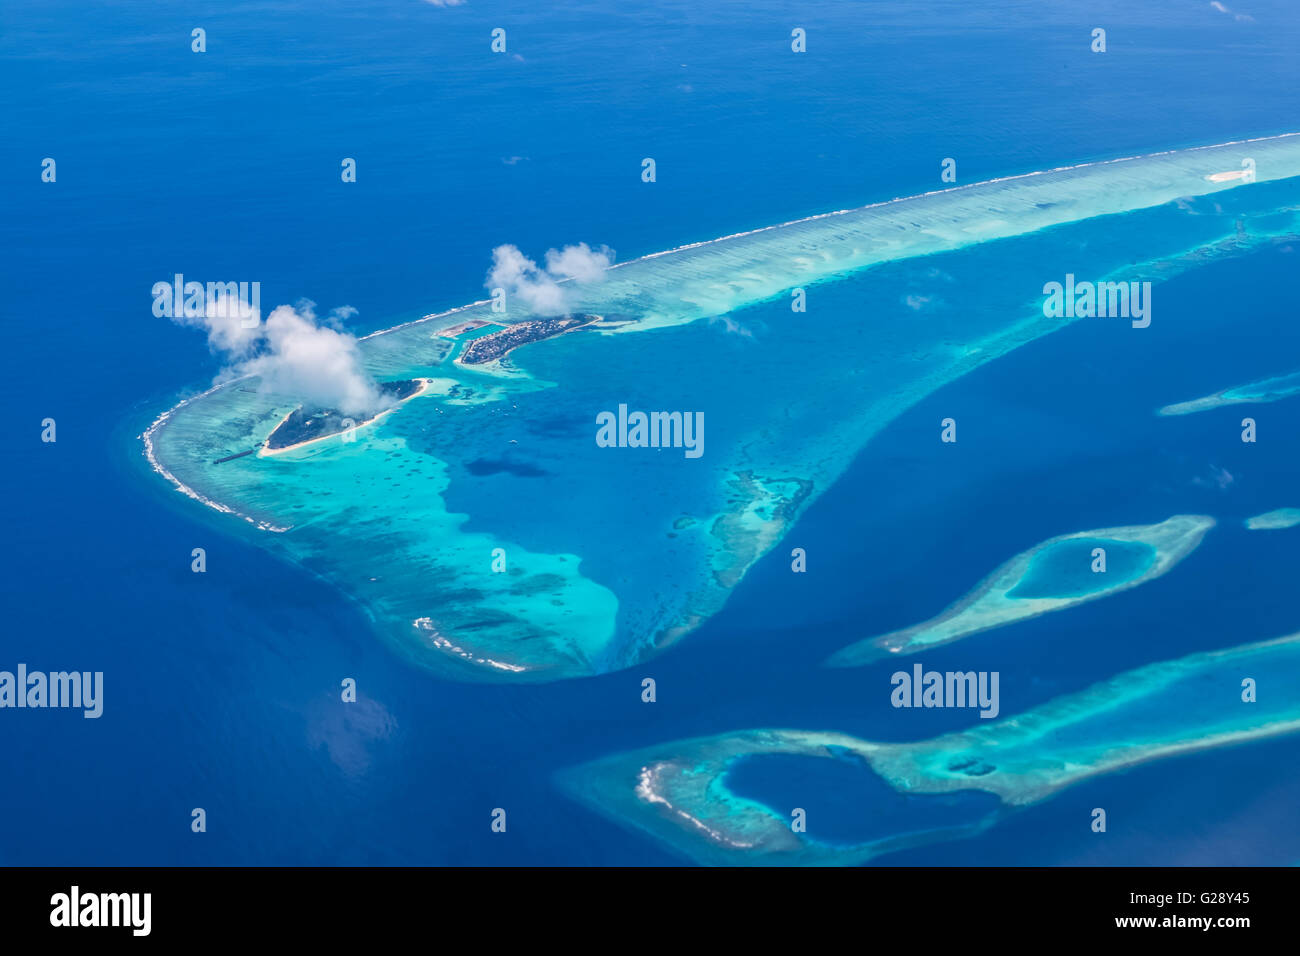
<point>1229,176</point>
<point>497,345</point>
<point>266,451</point>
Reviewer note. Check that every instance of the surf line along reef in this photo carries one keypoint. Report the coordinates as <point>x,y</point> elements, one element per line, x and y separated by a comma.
<point>685,795</point>
<point>373,515</point>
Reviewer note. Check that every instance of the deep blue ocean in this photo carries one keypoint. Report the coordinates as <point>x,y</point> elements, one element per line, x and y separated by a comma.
<point>222,688</point>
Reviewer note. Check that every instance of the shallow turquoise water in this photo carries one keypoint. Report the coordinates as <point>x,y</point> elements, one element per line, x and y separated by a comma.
<point>224,687</point>
<point>1269,388</point>
<point>614,554</point>
<point>1066,569</point>
<point>846,802</point>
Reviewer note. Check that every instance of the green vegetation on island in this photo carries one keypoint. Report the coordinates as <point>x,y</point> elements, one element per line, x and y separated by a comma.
<point>496,345</point>
<point>305,424</point>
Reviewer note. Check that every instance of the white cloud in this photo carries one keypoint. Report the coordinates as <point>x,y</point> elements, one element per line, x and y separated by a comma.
<point>293,354</point>
<point>540,289</point>
<point>318,365</point>
<point>1224,8</point>
<point>579,262</point>
<point>231,323</point>
<point>519,276</point>
<point>731,326</point>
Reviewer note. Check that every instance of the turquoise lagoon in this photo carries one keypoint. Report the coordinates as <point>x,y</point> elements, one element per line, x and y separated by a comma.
<point>408,518</point>
<point>1057,574</point>
<point>1065,571</point>
<point>707,798</point>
